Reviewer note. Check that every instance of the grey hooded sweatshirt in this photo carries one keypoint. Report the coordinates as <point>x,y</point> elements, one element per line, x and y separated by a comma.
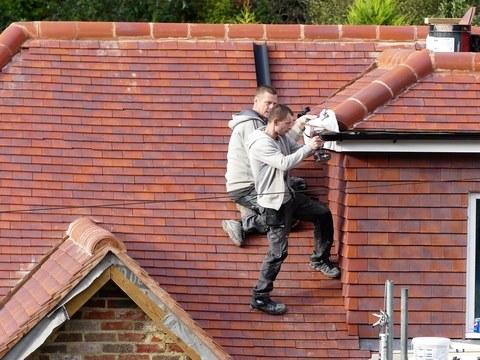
<point>239,175</point>
<point>271,161</point>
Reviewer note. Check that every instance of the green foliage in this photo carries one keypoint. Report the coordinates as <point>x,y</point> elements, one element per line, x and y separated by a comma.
<point>417,11</point>
<point>246,16</point>
<point>22,10</point>
<point>284,11</point>
<point>375,12</point>
<point>456,9</point>
<point>326,11</point>
<point>105,10</point>
<point>452,8</point>
<point>219,11</point>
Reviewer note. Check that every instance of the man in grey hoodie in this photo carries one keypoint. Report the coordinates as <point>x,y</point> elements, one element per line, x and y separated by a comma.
<point>239,178</point>
<point>272,154</point>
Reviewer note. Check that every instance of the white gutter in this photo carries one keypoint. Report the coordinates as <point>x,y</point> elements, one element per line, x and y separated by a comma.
<point>408,146</point>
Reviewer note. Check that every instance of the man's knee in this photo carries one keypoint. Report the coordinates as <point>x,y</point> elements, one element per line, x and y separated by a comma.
<point>276,257</point>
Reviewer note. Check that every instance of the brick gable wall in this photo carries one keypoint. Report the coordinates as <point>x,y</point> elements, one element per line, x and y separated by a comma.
<point>110,326</point>
<point>403,219</point>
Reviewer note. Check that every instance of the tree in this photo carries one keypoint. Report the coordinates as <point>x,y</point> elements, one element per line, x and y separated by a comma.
<point>375,12</point>
<point>326,11</point>
<point>455,8</point>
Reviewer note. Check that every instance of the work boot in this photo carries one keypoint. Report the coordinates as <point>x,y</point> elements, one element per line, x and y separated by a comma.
<point>269,306</point>
<point>326,268</point>
<point>234,230</point>
<point>245,211</point>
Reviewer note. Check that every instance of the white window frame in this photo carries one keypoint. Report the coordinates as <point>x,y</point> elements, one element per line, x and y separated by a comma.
<point>471,255</point>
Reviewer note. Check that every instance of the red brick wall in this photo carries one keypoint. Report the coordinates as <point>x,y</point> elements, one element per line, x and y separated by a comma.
<point>404,219</point>
<point>110,326</point>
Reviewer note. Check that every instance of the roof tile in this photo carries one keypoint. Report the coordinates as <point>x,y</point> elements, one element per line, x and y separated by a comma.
<point>400,33</point>
<point>176,30</point>
<point>57,30</point>
<point>95,30</point>
<point>132,29</point>
<point>360,32</point>
<point>109,133</point>
<point>312,32</point>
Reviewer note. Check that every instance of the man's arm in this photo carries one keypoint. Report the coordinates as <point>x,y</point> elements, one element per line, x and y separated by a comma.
<point>266,151</point>
<point>299,127</point>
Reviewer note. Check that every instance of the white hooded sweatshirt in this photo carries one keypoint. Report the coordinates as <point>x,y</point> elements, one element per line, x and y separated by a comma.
<point>271,161</point>
<point>239,175</point>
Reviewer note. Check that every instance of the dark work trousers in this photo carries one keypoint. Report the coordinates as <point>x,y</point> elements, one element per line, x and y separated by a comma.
<point>247,197</point>
<point>302,208</point>
<point>251,221</point>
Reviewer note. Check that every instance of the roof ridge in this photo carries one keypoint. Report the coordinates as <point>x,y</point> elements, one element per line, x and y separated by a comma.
<point>85,232</point>
<point>404,68</point>
<point>16,33</point>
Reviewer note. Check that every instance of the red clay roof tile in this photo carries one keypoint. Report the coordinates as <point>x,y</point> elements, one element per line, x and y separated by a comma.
<point>37,295</point>
<point>127,123</point>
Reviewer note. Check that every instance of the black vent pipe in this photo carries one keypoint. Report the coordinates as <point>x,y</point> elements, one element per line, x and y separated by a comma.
<point>262,69</point>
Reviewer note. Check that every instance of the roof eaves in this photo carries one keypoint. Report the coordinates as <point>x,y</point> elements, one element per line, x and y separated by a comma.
<point>398,135</point>
<point>404,142</point>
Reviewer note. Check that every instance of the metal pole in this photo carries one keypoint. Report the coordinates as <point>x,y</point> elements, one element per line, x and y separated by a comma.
<point>389,285</point>
<point>404,325</point>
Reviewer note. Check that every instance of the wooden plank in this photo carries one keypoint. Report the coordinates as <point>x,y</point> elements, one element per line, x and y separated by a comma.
<point>150,308</point>
<point>446,21</point>
<point>78,301</point>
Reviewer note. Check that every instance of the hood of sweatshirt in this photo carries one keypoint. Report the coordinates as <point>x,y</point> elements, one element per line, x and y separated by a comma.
<point>257,135</point>
<point>245,115</point>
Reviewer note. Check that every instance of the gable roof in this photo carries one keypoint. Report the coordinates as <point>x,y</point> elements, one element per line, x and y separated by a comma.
<point>69,275</point>
<point>127,123</point>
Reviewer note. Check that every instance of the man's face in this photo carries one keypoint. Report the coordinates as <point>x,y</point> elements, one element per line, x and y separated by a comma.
<point>285,125</point>
<point>263,103</point>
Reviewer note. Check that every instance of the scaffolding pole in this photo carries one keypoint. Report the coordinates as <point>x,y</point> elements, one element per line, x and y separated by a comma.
<point>404,324</point>
<point>389,310</point>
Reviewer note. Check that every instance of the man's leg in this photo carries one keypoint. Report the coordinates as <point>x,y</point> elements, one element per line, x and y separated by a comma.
<point>319,214</point>
<point>277,252</point>
<point>250,212</point>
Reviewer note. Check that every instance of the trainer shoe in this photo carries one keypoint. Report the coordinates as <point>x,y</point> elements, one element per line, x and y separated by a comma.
<point>245,211</point>
<point>234,230</point>
<point>269,306</point>
<point>326,268</point>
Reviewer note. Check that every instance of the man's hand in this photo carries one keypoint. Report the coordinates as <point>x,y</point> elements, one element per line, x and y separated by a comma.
<point>315,142</point>
<point>303,120</point>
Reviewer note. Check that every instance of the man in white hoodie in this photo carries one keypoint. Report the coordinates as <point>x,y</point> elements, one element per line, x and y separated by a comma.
<point>239,178</point>
<point>272,154</point>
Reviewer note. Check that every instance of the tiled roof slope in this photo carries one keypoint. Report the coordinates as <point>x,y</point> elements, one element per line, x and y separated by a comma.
<point>127,123</point>
<point>410,90</point>
<point>83,247</point>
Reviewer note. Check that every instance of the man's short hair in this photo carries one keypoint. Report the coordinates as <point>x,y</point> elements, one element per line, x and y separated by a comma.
<point>279,111</point>
<point>262,89</point>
